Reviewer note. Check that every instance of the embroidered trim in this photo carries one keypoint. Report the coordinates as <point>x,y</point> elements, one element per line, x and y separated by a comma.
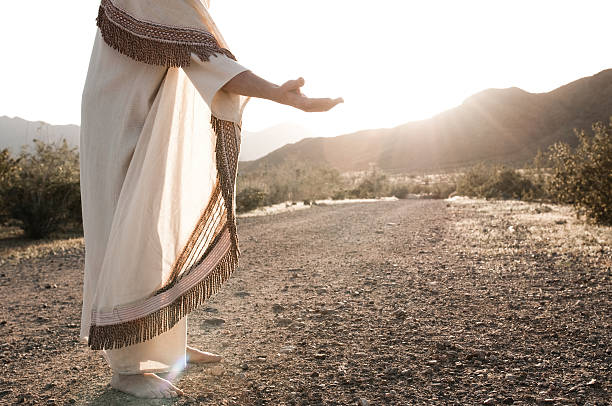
<point>127,325</point>
<point>135,323</point>
<point>153,43</point>
<point>227,150</point>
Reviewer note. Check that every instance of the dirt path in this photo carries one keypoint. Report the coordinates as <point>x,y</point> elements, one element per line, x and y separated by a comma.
<point>390,303</point>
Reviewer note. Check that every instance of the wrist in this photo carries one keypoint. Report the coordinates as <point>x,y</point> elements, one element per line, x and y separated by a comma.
<point>276,94</point>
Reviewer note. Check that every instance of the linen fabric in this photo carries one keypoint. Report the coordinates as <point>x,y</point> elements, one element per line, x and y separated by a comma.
<point>159,150</point>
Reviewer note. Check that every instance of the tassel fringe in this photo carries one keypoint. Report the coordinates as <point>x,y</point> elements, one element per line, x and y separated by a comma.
<point>154,44</point>
<point>136,331</point>
<point>139,330</point>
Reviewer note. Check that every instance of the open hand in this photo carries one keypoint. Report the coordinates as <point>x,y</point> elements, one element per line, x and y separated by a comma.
<point>291,95</point>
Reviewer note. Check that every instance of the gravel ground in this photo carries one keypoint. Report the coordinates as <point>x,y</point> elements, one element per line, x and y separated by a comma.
<point>390,303</point>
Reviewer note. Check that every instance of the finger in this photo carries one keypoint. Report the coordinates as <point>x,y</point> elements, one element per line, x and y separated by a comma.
<point>293,85</point>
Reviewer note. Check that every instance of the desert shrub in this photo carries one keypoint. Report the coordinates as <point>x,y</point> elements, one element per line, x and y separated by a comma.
<point>373,184</point>
<point>438,190</point>
<point>250,198</point>
<point>340,194</point>
<point>292,181</point>
<point>583,176</point>
<point>495,183</point>
<point>400,190</point>
<point>442,190</point>
<point>8,166</point>
<point>43,192</point>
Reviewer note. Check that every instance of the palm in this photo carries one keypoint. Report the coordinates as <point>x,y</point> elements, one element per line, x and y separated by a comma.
<point>294,97</point>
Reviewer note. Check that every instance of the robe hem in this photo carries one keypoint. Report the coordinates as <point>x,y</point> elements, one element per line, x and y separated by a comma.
<point>137,322</point>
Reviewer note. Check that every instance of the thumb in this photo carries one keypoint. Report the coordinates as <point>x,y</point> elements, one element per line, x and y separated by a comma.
<point>292,85</point>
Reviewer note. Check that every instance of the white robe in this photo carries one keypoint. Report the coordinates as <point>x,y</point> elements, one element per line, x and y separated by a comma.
<point>147,171</point>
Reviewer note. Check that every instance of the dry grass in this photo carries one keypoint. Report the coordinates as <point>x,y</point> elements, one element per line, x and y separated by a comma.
<point>511,226</point>
<point>14,247</point>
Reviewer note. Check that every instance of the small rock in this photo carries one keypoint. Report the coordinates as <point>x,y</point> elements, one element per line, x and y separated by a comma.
<point>214,322</point>
<point>242,294</point>
<point>320,355</point>
<point>217,370</point>
<point>277,308</point>
<point>490,401</point>
<point>287,349</point>
<point>244,366</point>
<point>363,402</point>
<point>2,323</point>
<point>283,322</point>
<point>508,401</point>
<point>211,310</point>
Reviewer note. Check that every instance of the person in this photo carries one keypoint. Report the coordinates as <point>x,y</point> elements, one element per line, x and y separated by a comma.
<point>160,136</point>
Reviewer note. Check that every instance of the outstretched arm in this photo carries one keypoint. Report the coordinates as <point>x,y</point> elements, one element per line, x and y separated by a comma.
<point>249,84</point>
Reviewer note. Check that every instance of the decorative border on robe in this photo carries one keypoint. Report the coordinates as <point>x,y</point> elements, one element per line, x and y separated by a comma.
<point>195,276</point>
<point>152,43</point>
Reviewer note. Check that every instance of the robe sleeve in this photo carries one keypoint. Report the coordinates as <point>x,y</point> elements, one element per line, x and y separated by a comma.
<point>208,77</point>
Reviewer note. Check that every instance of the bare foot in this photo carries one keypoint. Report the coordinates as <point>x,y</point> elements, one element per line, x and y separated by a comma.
<point>145,386</point>
<point>196,356</point>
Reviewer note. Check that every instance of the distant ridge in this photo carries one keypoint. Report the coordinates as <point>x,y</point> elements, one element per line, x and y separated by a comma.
<point>257,144</point>
<point>17,132</point>
<point>501,125</point>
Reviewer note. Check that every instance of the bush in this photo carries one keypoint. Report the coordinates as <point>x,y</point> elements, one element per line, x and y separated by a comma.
<point>43,190</point>
<point>374,184</point>
<point>583,176</point>
<point>400,190</point>
<point>249,199</point>
<point>442,190</point>
<point>496,183</point>
<point>8,166</point>
<point>292,181</point>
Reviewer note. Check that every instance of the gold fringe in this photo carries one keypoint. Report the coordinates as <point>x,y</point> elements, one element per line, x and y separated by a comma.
<point>154,44</point>
<point>139,330</point>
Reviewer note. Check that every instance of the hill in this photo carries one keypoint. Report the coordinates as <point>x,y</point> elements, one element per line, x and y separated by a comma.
<point>258,144</point>
<point>500,125</point>
<point>17,132</point>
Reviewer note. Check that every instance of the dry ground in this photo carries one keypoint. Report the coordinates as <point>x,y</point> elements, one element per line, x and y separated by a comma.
<point>391,303</point>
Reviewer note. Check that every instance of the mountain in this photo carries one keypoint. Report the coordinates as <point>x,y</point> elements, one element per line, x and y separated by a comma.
<point>257,144</point>
<point>17,132</point>
<point>501,125</point>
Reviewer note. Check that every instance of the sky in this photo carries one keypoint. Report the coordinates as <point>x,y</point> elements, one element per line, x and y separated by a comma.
<point>392,61</point>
